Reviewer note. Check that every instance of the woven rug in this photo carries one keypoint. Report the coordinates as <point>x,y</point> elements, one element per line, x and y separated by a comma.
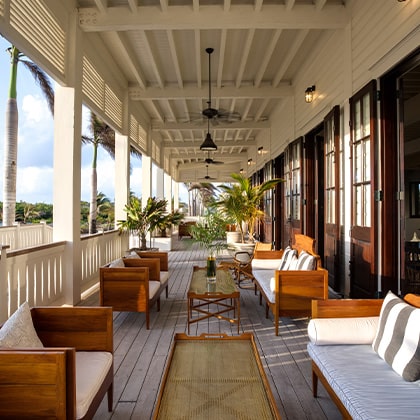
<point>211,379</point>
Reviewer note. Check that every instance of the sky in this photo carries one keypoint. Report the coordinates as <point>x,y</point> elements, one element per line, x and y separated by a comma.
<point>36,143</point>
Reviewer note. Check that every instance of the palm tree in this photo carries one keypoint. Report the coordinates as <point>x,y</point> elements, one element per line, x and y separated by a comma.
<point>206,191</point>
<point>11,128</point>
<point>241,201</point>
<point>103,135</point>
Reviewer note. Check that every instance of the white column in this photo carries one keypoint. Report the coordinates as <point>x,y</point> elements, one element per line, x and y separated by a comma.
<point>67,169</point>
<point>146,170</point>
<point>175,189</point>
<point>167,189</point>
<point>122,175</point>
<point>160,194</point>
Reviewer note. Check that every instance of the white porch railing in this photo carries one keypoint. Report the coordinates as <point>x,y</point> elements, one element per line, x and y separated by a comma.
<point>24,236</point>
<point>37,274</point>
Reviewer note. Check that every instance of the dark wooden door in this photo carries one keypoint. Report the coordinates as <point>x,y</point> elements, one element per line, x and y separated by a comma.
<point>332,196</point>
<point>363,272</point>
<point>279,193</point>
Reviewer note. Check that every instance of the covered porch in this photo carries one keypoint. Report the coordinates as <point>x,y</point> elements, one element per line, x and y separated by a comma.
<point>141,354</point>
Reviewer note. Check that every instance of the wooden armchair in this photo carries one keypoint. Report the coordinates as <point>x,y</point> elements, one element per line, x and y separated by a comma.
<point>42,382</point>
<point>133,288</point>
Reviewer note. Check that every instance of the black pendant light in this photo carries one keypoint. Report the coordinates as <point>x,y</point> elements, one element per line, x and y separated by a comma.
<point>208,143</point>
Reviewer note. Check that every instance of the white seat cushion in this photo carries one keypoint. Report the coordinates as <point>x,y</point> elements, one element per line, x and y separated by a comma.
<point>91,370</point>
<point>164,277</point>
<point>154,287</point>
<point>265,264</point>
<point>265,278</point>
<point>119,263</point>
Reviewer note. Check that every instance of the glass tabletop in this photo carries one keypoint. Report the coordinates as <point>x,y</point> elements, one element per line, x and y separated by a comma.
<point>224,284</point>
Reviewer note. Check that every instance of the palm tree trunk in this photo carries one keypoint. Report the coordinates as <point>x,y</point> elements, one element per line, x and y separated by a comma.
<point>93,191</point>
<point>10,146</point>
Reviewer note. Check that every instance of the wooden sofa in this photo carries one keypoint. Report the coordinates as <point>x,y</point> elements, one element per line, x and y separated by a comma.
<point>289,292</point>
<point>360,383</point>
<point>135,287</point>
<point>42,382</point>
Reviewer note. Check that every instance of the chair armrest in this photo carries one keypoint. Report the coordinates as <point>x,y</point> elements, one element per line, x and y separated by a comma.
<point>152,263</point>
<point>163,256</point>
<point>38,383</point>
<point>84,328</point>
<point>346,308</point>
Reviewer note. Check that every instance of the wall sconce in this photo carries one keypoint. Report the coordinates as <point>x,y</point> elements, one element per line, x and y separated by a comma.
<point>261,151</point>
<point>309,94</point>
<point>241,171</point>
<point>249,162</point>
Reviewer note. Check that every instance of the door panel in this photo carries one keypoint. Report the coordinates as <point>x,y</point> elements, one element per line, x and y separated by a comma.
<point>363,273</point>
<point>332,196</point>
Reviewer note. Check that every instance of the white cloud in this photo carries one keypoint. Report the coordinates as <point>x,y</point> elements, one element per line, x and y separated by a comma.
<point>35,110</point>
<point>34,184</point>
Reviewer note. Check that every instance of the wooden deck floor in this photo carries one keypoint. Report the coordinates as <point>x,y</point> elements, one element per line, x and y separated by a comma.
<point>141,354</point>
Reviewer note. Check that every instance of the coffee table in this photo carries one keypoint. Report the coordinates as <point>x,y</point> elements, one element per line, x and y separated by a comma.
<point>206,300</point>
<point>215,377</point>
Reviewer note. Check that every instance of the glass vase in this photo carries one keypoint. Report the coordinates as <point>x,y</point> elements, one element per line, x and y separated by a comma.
<point>211,268</point>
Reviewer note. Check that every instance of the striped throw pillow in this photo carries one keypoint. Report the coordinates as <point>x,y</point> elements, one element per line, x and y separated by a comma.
<point>397,340</point>
<point>305,261</point>
<point>287,258</point>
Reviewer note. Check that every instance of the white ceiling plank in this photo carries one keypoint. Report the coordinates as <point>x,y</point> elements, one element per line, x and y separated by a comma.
<point>258,5</point>
<point>226,5</point>
<point>196,5</point>
<point>175,60</point>
<point>164,5</point>
<point>156,111</point>
<point>282,90</point>
<point>132,5</point>
<point>246,110</point>
<point>244,57</point>
<point>267,57</point>
<point>293,50</point>
<point>197,47</point>
<point>262,108</point>
<point>214,17</point>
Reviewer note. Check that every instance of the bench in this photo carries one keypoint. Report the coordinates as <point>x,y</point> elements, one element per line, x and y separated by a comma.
<point>289,292</point>
<point>342,347</point>
<point>63,370</point>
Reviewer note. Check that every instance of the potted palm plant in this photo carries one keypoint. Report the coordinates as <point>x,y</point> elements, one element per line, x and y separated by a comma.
<point>140,220</point>
<point>209,233</point>
<point>241,201</point>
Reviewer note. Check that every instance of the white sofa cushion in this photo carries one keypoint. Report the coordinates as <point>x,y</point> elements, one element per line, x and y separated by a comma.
<point>398,337</point>
<point>154,287</point>
<point>164,277</point>
<point>91,370</point>
<point>326,331</point>
<point>118,263</point>
<point>19,331</point>
<point>266,281</point>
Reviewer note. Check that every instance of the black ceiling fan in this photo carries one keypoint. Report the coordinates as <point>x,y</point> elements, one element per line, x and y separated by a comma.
<point>213,115</point>
<point>208,177</point>
<point>217,114</point>
<point>211,161</point>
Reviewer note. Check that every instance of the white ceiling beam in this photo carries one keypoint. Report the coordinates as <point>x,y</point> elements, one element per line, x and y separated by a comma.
<point>293,50</point>
<point>319,4</point>
<point>132,5</point>
<point>164,5</point>
<point>262,108</point>
<point>282,90</point>
<point>175,60</point>
<point>244,57</point>
<point>246,125</point>
<point>156,71</point>
<point>267,57</point>
<point>226,5</point>
<point>197,47</point>
<point>258,5</point>
<point>289,4</point>
<point>223,37</point>
<point>214,17</point>
<point>196,5</point>
<point>129,57</point>
<point>102,5</point>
